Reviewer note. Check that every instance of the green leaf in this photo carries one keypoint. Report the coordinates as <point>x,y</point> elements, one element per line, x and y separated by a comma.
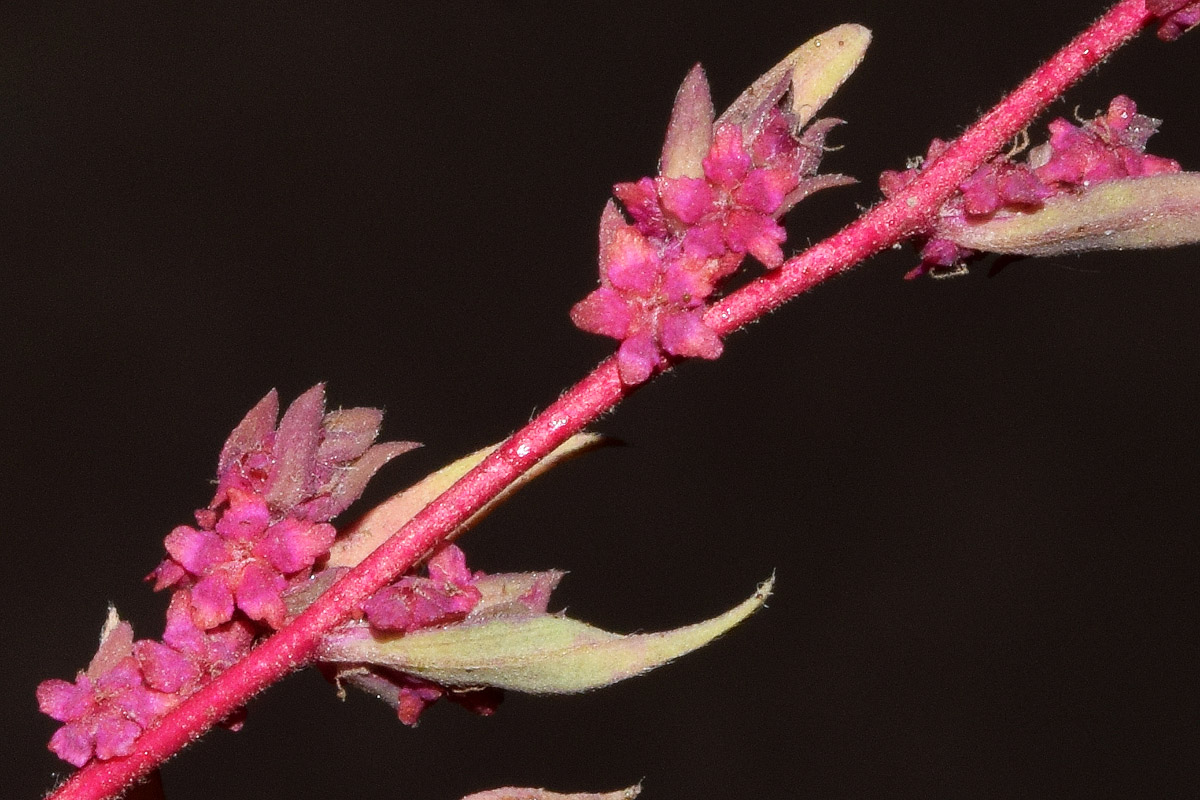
<point>1127,213</point>
<point>815,70</point>
<point>377,525</point>
<point>536,653</point>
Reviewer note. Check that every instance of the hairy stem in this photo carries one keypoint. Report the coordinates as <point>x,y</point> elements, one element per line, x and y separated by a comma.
<point>884,225</point>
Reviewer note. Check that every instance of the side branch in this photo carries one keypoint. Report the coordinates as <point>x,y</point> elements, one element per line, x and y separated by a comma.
<point>910,211</point>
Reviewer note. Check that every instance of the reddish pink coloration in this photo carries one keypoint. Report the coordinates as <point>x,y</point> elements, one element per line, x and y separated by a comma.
<point>1108,147</point>
<point>262,532</point>
<point>108,705</point>
<point>410,695</point>
<point>446,596</point>
<point>1178,16</point>
<point>413,602</point>
<point>450,594</point>
<point>600,391</point>
<point>210,651</point>
<point>692,227</point>
<point>276,490</point>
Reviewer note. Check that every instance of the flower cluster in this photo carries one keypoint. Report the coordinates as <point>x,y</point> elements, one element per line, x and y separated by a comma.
<point>262,534</point>
<point>1177,16</point>
<point>445,595</point>
<point>1074,159</point>
<point>721,189</point>
<point>276,491</point>
<point>129,684</point>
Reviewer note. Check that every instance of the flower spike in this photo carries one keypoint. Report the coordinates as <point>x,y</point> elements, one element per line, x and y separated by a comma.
<point>1089,187</point>
<point>722,187</point>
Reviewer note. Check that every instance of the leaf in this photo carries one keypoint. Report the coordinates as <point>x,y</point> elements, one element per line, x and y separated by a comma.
<point>1126,213</point>
<point>378,524</point>
<point>536,653</point>
<point>815,70</point>
<point>823,65</point>
<point>689,133</point>
<point>514,793</point>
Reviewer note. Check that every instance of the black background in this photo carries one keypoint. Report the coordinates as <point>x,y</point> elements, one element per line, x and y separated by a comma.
<point>978,494</point>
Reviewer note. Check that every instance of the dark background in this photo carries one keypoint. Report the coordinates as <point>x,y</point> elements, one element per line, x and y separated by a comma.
<point>979,495</point>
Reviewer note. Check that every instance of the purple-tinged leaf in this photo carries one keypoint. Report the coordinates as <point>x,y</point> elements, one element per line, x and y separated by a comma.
<point>348,433</point>
<point>253,433</point>
<point>295,450</point>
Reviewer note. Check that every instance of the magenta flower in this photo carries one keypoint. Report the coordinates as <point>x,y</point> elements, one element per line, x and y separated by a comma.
<point>1075,158</point>
<point>265,529</point>
<point>268,523</point>
<point>722,188</point>
<point>108,706</point>
<point>413,602</point>
<point>1178,16</point>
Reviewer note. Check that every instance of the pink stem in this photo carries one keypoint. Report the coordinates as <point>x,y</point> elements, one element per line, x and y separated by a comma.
<point>888,223</point>
<point>910,211</point>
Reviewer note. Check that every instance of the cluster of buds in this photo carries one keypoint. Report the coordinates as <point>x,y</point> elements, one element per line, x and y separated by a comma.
<point>722,187</point>
<point>1177,16</point>
<point>277,489</point>
<point>1090,186</point>
<point>263,551</point>
<point>265,529</point>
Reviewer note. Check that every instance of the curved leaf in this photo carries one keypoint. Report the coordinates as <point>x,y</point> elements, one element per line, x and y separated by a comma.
<point>537,653</point>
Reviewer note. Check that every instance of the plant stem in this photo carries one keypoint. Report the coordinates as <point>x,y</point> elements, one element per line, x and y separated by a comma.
<point>911,210</point>
<point>886,224</point>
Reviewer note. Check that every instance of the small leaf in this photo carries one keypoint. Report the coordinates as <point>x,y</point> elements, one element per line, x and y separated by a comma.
<point>378,524</point>
<point>815,70</point>
<point>538,653</point>
<point>514,793</point>
<point>823,65</point>
<point>690,131</point>
<point>116,644</point>
<point>1127,213</point>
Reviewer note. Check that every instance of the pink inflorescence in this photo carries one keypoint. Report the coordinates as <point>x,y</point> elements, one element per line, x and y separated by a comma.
<point>1177,16</point>
<point>262,534</point>
<point>277,489</point>
<point>688,229</point>
<point>444,595</point>
<point>1108,147</point>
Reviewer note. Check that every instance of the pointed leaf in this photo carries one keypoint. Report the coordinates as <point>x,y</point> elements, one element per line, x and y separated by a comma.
<point>815,70</point>
<point>541,654</point>
<point>689,133</point>
<point>514,793</point>
<point>295,449</point>
<point>116,644</point>
<point>374,528</point>
<point>1127,213</point>
<point>349,484</point>
<point>348,432</point>
<point>823,65</point>
<point>252,433</point>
